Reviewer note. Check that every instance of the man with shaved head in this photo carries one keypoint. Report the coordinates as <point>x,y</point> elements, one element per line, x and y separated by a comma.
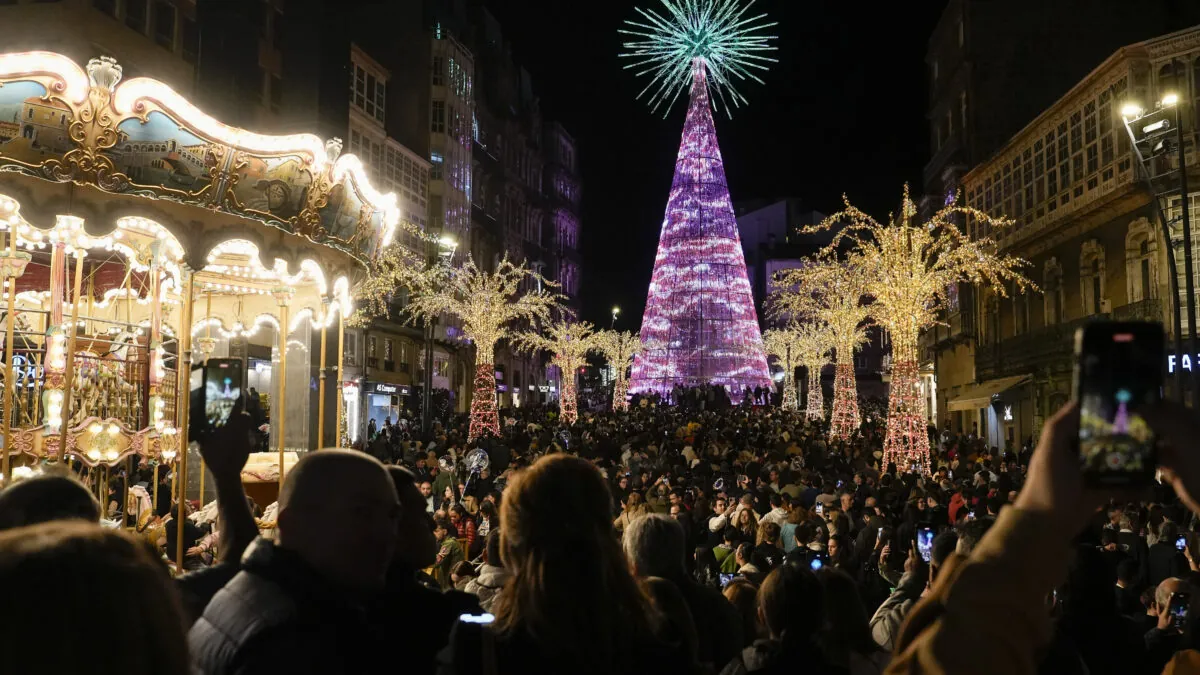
<point>298,605</point>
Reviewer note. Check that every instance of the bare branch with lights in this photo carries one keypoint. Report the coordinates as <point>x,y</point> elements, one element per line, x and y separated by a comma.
<point>568,342</point>
<point>619,349</point>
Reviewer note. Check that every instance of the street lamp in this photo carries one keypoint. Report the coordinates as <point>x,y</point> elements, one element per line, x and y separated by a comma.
<point>1149,135</point>
<point>440,252</point>
<point>616,311</point>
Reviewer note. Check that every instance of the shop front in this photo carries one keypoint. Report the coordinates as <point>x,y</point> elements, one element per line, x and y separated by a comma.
<point>999,410</point>
<point>384,401</point>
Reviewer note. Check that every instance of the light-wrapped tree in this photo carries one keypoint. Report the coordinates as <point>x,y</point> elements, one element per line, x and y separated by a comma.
<point>489,305</point>
<point>911,266</point>
<point>568,342</point>
<point>832,293</point>
<point>783,344</point>
<point>814,342</point>
<point>619,348</point>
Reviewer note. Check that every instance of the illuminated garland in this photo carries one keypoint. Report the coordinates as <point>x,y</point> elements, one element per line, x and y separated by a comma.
<point>569,342</point>
<point>619,348</point>
<point>911,268</point>
<point>484,418</point>
<point>488,304</point>
<point>392,268</point>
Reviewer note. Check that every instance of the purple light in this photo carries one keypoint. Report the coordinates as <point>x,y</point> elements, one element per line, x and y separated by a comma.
<point>700,325</point>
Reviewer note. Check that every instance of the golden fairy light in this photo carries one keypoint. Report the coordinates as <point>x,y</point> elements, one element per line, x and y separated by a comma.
<point>488,304</point>
<point>619,348</point>
<point>911,268</point>
<point>782,344</point>
<point>568,342</point>
<point>814,342</point>
<point>389,270</point>
<point>834,294</point>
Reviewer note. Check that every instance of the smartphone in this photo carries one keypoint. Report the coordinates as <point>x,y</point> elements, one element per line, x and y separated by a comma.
<point>925,542</point>
<point>216,389</point>
<point>726,578</point>
<point>1118,371</point>
<point>820,508</point>
<point>817,560</point>
<point>1181,543</point>
<point>1178,609</point>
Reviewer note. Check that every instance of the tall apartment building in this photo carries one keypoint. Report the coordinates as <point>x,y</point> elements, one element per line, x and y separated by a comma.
<point>1087,226</point>
<point>991,68</point>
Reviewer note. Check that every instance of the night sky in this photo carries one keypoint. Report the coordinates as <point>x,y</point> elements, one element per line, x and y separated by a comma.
<point>842,112</point>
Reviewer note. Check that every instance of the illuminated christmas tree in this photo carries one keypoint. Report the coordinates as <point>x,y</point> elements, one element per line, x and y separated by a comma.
<point>911,267</point>
<point>700,325</point>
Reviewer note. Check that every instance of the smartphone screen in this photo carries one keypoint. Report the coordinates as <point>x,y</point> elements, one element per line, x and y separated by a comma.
<point>820,508</point>
<point>1178,609</point>
<point>925,543</point>
<point>216,386</point>
<point>726,578</point>
<point>1181,543</point>
<point>222,388</point>
<point>817,561</point>
<point>484,618</point>
<point>1118,370</point>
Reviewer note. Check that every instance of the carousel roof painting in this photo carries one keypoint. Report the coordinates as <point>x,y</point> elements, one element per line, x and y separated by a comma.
<point>63,123</point>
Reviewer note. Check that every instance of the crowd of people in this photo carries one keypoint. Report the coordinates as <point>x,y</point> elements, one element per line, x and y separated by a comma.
<point>700,535</point>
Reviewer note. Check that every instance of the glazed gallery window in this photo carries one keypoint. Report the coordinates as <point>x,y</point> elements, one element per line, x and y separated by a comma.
<point>368,92</point>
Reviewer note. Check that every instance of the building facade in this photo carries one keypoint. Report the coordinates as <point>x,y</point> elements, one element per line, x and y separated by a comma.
<point>1089,230</point>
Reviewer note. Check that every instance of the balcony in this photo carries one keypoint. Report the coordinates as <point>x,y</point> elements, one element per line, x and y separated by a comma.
<point>1143,310</point>
<point>1050,348</point>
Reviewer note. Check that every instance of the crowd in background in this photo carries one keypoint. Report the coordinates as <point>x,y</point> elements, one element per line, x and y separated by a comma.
<point>692,533</point>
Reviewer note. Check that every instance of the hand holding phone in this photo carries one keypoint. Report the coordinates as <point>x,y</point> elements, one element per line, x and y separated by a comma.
<point>1178,609</point>
<point>925,542</point>
<point>1118,373</point>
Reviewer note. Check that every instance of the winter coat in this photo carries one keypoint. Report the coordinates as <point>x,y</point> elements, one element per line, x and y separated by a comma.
<point>279,615</point>
<point>885,625</point>
<point>488,584</point>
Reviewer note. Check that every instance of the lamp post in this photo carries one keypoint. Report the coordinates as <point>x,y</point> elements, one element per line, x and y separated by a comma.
<point>440,252</point>
<point>1149,133</point>
<point>616,311</point>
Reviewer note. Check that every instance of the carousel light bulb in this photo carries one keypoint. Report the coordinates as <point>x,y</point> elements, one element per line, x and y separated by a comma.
<point>114,429</point>
<point>95,428</point>
<point>93,455</point>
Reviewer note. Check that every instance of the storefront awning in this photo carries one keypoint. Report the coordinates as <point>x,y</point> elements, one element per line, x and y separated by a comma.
<point>980,395</point>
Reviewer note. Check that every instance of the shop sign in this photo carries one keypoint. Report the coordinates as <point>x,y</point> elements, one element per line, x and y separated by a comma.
<point>1185,362</point>
<point>391,389</point>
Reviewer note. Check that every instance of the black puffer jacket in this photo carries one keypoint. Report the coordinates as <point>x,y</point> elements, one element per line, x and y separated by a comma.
<point>279,616</point>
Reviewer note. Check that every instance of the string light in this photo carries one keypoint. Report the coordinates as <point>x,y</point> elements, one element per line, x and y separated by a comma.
<point>832,294</point>
<point>619,349</point>
<point>569,343</point>
<point>911,268</point>
<point>488,304</point>
<point>814,342</point>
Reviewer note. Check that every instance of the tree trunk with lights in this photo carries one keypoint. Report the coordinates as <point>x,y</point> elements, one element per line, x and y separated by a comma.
<point>567,409</point>
<point>789,392</point>
<point>484,418</point>
<point>620,394</point>
<point>844,421</point>
<point>816,399</point>
<point>907,442</point>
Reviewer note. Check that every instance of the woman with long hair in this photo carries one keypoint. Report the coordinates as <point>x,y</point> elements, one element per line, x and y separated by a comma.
<point>572,606</point>
<point>55,574</point>
<point>634,508</point>
<point>747,525</point>
<point>847,640</point>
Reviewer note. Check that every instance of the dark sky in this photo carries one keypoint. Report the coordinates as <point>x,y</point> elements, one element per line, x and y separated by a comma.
<point>842,112</point>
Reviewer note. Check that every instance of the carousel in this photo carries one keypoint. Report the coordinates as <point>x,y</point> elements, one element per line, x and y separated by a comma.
<point>140,237</point>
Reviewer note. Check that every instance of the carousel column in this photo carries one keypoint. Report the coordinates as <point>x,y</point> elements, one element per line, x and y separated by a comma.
<point>69,371</point>
<point>12,266</point>
<point>157,406</point>
<point>342,432</point>
<point>321,379</point>
<point>56,343</point>
<point>183,403</point>
<point>283,296</point>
